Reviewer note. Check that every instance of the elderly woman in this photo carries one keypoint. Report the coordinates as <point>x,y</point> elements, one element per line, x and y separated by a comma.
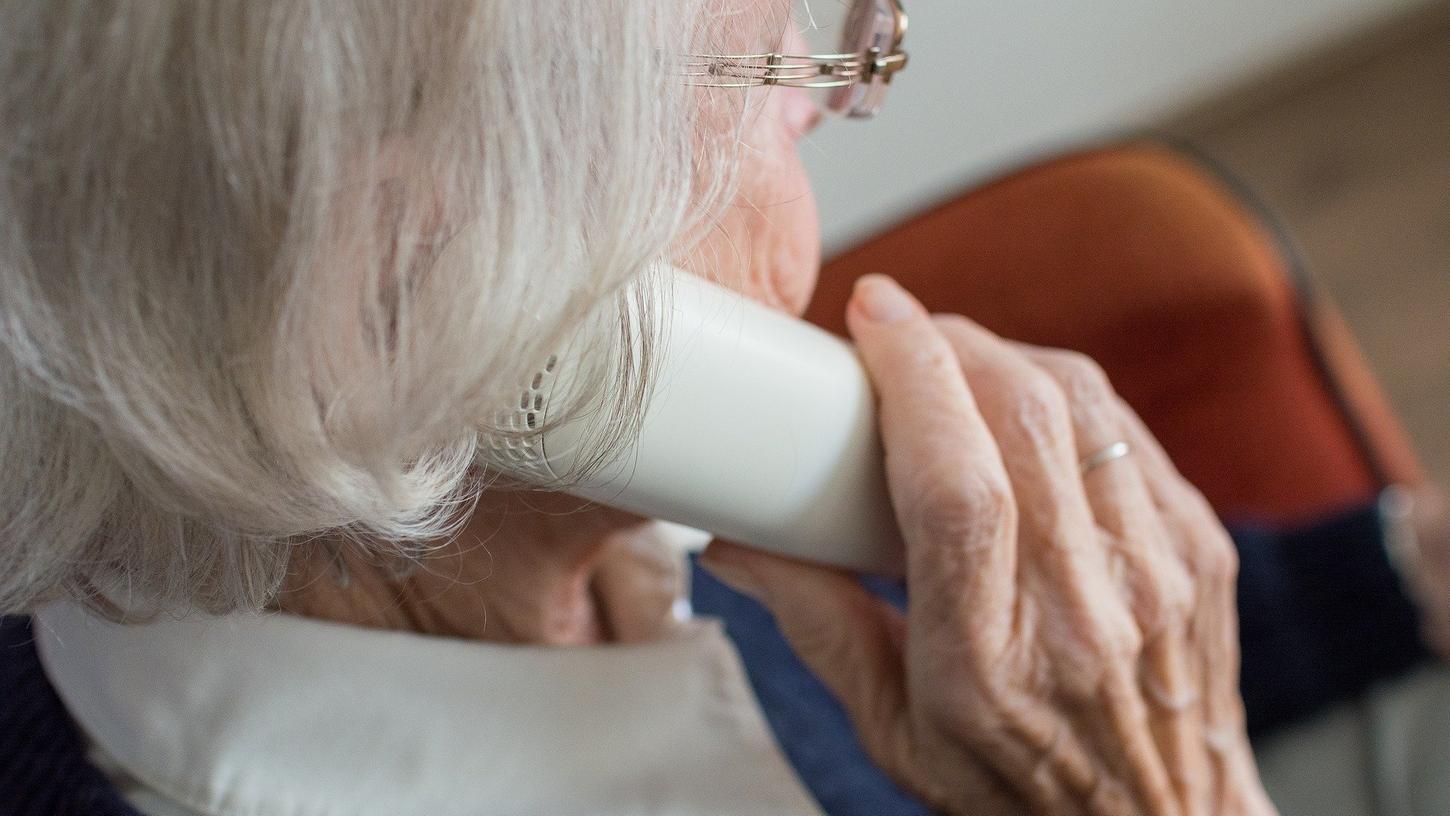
<point>235,379</point>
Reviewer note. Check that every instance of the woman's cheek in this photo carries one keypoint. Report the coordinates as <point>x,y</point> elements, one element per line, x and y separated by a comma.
<point>767,244</point>
<point>788,236</point>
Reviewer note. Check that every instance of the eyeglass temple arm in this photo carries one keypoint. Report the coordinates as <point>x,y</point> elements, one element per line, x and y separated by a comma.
<point>792,70</point>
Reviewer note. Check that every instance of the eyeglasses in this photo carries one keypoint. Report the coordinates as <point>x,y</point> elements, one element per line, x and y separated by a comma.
<point>857,77</point>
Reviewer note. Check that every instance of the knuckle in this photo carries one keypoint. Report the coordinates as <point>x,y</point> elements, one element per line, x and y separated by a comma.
<point>1125,643</point>
<point>934,358</point>
<point>1219,559</point>
<point>1194,505</point>
<point>1196,502</point>
<point>1175,596</point>
<point>1163,588</point>
<point>1184,503</point>
<point>1081,375</point>
<point>1041,406</point>
<point>974,718</point>
<point>958,505</point>
<point>1215,558</point>
<point>1090,396</point>
<point>1117,642</point>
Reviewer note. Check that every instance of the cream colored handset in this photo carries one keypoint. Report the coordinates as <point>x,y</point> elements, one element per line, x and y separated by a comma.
<point>760,429</point>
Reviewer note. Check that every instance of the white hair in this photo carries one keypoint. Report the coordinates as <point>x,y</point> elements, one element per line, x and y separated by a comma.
<point>220,330</point>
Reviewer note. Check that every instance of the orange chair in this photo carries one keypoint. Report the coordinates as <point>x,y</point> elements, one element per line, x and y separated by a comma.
<point>1152,263</point>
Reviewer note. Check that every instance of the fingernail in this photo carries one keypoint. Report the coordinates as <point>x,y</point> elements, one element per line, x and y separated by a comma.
<point>734,577</point>
<point>882,300</point>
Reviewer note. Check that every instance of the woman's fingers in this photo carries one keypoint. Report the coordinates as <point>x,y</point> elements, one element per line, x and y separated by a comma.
<point>1122,504</point>
<point>1156,579</point>
<point>1158,584</point>
<point>954,503</point>
<point>1031,417</point>
<point>948,486</point>
<point>1023,648</point>
<point>1210,555</point>
<point>853,642</point>
<point>1115,489</point>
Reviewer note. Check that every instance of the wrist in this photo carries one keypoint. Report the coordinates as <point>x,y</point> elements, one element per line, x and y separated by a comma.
<point>1417,541</point>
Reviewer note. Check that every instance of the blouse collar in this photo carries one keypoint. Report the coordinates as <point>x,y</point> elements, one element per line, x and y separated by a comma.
<point>283,715</point>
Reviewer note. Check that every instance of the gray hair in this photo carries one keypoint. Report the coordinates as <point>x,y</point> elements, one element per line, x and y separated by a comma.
<point>221,333</point>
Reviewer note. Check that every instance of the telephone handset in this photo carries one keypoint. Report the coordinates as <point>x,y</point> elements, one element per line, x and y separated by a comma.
<point>760,429</point>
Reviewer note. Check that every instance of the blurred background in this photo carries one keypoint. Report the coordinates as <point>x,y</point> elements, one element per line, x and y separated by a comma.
<point>1335,112</point>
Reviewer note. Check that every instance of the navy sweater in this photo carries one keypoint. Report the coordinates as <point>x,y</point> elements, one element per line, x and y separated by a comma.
<point>1323,617</point>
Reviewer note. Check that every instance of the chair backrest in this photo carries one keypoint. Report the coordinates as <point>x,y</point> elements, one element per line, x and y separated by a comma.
<point>1154,264</point>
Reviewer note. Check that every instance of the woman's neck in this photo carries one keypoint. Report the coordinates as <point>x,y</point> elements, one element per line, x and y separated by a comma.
<point>527,568</point>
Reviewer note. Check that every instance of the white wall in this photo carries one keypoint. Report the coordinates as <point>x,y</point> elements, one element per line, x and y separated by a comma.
<point>992,82</point>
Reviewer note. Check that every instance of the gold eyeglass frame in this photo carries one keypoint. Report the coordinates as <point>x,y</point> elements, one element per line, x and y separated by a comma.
<point>801,70</point>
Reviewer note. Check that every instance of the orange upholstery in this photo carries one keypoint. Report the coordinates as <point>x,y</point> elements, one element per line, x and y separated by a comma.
<point>1141,258</point>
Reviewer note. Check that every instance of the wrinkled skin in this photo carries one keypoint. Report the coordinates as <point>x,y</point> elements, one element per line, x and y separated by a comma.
<point>1070,645</point>
<point>528,568</point>
<point>1071,641</point>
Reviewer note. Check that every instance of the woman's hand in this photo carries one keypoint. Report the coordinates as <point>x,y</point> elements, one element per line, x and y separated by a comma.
<point>1070,644</point>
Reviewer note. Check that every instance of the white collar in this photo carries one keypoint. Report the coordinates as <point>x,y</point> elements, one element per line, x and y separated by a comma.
<point>283,716</point>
